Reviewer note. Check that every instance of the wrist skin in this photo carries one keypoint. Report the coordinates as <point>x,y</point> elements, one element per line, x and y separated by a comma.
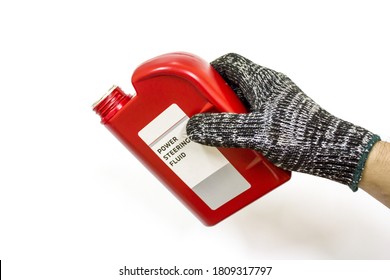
<point>376,174</point>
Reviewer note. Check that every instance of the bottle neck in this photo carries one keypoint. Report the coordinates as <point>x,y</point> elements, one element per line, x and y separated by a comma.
<point>111,103</point>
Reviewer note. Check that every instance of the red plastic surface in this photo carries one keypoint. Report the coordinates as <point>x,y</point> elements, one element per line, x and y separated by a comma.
<point>195,87</point>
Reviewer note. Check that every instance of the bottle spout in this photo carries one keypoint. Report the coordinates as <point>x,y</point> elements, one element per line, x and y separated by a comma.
<point>107,106</point>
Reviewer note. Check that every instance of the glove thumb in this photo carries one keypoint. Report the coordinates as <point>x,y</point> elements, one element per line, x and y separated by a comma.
<point>222,129</point>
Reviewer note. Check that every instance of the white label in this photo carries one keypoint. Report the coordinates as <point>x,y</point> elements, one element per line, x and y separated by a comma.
<point>204,169</point>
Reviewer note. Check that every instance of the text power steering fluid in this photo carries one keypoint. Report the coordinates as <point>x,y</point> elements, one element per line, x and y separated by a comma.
<point>212,182</point>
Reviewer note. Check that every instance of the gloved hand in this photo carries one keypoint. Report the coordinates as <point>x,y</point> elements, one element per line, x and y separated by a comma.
<point>284,124</point>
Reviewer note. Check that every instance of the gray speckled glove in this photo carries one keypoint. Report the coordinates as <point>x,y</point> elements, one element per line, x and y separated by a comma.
<point>284,124</point>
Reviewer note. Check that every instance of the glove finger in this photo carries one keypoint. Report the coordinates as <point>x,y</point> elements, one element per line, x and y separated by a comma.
<point>253,83</point>
<point>222,129</point>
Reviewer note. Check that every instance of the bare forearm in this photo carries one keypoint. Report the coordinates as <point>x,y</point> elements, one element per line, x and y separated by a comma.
<point>376,174</point>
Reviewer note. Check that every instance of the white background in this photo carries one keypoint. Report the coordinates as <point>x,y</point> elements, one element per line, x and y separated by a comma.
<point>75,204</point>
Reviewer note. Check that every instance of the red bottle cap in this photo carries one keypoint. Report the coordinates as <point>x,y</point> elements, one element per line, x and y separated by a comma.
<point>110,103</point>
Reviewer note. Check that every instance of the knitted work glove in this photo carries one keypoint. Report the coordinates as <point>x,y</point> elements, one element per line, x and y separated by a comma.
<point>284,124</point>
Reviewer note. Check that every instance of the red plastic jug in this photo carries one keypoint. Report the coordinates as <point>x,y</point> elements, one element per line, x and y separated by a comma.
<point>212,182</point>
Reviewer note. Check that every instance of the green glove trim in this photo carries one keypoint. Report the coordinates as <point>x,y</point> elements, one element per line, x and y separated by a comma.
<point>357,176</point>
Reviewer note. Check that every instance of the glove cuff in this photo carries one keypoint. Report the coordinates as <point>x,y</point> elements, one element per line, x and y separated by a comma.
<point>357,176</point>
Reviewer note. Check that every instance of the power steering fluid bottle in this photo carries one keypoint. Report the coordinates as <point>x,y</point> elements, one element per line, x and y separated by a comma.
<point>212,182</point>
